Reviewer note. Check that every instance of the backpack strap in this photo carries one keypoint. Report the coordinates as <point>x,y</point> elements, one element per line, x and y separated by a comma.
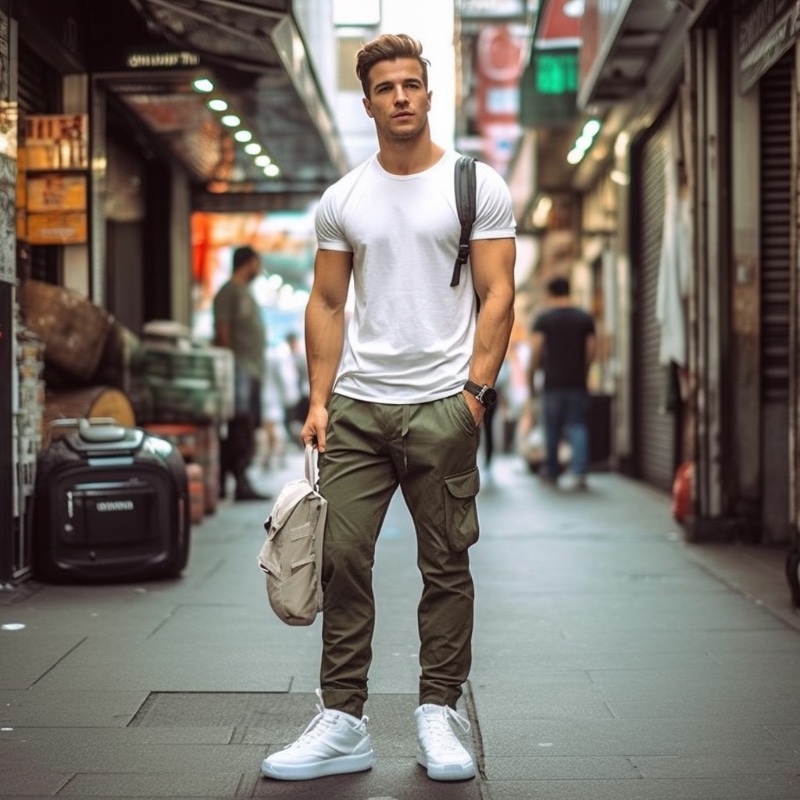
<point>466,205</point>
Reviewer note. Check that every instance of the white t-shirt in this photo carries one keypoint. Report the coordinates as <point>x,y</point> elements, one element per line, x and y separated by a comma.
<point>411,334</point>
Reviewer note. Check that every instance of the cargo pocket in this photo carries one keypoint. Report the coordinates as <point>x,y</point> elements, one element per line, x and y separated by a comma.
<point>461,509</point>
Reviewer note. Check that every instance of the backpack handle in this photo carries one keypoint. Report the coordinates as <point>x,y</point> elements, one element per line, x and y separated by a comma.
<point>466,206</point>
<point>310,465</point>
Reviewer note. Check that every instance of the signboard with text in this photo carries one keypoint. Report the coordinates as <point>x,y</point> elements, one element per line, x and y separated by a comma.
<point>765,34</point>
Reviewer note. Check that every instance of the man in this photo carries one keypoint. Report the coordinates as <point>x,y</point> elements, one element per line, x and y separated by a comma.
<point>397,402</point>
<point>239,327</point>
<point>563,343</point>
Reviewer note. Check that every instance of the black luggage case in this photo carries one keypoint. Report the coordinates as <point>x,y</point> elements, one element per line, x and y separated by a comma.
<point>111,503</point>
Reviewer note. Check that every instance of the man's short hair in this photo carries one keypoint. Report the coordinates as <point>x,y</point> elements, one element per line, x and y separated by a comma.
<point>388,47</point>
<point>558,287</point>
<point>243,255</point>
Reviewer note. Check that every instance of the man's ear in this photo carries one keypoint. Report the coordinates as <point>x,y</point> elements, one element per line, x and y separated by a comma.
<point>367,106</point>
<point>430,96</point>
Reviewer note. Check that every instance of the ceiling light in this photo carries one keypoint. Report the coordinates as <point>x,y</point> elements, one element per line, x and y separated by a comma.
<point>573,8</point>
<point>541,212</point>
<point>231,120</point>
<point>575,156</point>
<point>217,104</point>
<point>263,160</point>
<point>243,136</point>
<point>252,149</point>
<point>203,85</point>
<point>272,171</point>
<point>584,142</point>
<point>591,128</point>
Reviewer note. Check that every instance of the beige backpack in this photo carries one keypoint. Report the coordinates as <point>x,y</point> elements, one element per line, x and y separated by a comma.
<point>292,553</point>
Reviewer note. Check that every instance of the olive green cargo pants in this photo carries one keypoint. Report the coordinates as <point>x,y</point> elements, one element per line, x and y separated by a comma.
<point>430,451</point>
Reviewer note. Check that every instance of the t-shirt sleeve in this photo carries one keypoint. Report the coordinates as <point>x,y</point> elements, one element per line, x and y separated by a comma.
<point>330,235</point>
<point>495,216</point>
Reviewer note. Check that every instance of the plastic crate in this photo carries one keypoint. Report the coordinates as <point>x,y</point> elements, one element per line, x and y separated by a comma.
<point>182,401</point>
<point>177,364</point>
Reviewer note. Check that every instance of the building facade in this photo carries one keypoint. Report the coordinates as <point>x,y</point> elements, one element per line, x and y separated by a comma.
<point>689,211</point>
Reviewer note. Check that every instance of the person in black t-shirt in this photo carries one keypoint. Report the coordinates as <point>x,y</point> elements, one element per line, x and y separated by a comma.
<point>563,345</point>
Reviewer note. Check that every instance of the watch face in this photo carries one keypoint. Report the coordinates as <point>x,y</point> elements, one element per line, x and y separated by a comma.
<point>488,397</point>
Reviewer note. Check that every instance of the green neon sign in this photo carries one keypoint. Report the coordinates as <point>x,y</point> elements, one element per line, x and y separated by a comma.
<point>556,73</point>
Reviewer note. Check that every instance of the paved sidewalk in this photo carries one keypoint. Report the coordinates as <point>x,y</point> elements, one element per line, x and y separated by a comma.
<point>612,660</point>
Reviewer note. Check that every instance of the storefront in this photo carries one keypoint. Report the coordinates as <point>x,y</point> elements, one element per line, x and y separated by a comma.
<point>138,115</point>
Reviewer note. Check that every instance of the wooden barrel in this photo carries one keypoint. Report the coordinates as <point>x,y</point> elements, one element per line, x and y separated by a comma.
<point>73,329</point>
<point>86,402</point>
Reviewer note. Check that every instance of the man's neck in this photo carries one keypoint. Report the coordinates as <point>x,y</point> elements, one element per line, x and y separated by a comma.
<point>408,158</point>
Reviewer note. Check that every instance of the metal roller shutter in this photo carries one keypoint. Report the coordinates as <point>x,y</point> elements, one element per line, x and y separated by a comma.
<point>38,92</point>
<point>654,430</point>
<point>776,193</point>
<point>37,84</point>
<point>776,262</point>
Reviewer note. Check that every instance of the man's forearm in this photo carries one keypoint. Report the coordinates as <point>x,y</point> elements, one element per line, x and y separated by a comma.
<point>324,342</point>
<point>492,335</point>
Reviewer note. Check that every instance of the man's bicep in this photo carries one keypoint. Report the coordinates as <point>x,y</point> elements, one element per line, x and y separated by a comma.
<point>492,262</point>
<point>332,269</point>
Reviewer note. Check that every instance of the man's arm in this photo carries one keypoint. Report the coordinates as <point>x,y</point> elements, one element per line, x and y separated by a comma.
<point>492,262</point>
<point>324,334</point>
<point>222,333</point>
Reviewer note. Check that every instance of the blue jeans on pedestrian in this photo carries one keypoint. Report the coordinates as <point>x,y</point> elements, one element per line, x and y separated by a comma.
<point>565,414</point>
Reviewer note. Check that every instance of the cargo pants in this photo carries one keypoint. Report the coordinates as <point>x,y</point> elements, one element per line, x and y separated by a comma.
<point>429,450</point>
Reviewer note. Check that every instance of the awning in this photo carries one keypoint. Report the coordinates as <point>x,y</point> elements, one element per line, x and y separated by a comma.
<point>256,58</point>
<point>621,39</point>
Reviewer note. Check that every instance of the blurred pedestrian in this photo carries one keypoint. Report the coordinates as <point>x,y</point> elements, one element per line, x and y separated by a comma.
<point>239,327</point>
<point>563,345</point>
<point>397,400</point>
<point>281,392</point>
<point>297,413</point>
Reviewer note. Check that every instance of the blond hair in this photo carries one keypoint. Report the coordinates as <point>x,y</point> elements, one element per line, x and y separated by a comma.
<point>388,47</point>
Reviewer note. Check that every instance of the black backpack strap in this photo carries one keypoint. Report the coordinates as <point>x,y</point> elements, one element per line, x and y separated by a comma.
<point>466,205</point>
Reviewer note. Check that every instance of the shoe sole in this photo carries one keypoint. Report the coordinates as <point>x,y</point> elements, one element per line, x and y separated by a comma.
<point>452,772</point>
<point>334,766</point>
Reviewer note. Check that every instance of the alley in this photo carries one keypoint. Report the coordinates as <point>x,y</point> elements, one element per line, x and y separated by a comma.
<point>612,661</point>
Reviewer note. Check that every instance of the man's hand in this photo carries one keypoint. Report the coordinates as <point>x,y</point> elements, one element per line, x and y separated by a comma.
<point>313,431</point>
<point>477,408</point>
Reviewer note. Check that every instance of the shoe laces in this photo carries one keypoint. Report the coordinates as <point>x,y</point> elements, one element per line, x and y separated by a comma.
<point>439,730</point>
<point>319,726</point>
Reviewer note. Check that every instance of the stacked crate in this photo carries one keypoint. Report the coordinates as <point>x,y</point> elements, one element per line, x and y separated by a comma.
<point>188,384</point>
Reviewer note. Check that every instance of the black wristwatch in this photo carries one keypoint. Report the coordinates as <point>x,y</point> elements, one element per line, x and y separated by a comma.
<point>485,395</point>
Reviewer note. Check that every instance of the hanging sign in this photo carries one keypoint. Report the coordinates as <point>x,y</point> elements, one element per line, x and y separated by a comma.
<point>765,34</point>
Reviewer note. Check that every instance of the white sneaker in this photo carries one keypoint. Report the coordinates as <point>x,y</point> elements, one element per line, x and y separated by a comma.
<point>440,751</point>
<point>333,743</point>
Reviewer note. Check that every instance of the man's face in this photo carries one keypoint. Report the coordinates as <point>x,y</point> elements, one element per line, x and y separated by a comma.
<point>398,100</point>
<point>253,269</point>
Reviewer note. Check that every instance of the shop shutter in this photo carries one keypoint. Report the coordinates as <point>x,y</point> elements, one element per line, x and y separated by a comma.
<point>775,95</point>
<point>776,194</point>
<point>37,84</point>
<point>654,428</point>
<point>38,93</point>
